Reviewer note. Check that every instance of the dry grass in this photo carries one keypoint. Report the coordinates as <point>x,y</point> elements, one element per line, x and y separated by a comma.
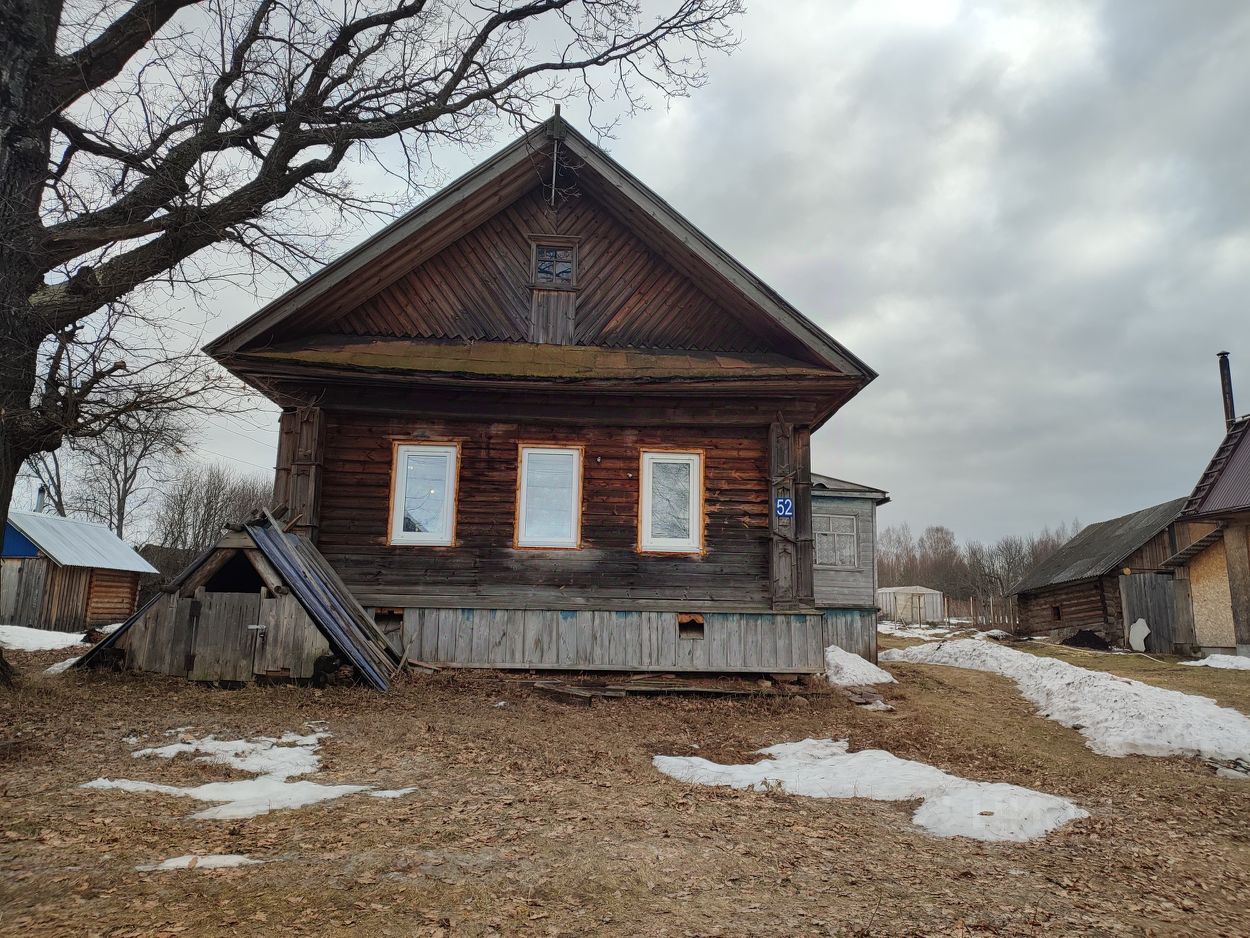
<point>546,819</point>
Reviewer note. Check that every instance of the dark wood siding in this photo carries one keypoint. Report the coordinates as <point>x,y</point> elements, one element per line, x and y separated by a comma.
<point>1093,604</point>
<point>479,288</point>
<point>484,570</point>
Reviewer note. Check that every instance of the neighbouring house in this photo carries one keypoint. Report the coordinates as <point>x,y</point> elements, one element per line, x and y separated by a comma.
<point>911,604</point>
<point>1217,562</point>
<point>542,421</point>
<point>1110,575</point>
<point>844,533</point>
<point>65,574</point>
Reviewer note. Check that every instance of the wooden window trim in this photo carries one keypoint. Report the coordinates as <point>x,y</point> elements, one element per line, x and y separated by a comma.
<point>579,498</point>
<point>698,518</point>
<point>559,241</point>
<point>854,533</point>
<point>397,446</point>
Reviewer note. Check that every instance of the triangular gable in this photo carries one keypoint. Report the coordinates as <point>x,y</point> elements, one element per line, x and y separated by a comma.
<point>1224,487</point>
<point>364,274</point>
<point>300,568</point>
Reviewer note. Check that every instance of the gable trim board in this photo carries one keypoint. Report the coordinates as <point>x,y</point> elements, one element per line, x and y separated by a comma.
<point>382,259</point>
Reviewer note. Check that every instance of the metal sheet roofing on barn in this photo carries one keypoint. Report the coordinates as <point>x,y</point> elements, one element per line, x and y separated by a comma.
<point>69,542</point>
<point>1224,489</point>
<point>1100,548</point>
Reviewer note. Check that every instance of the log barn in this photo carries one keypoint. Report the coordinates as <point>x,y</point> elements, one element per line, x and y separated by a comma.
<point>542,421</point>
<point>65,574</point>
<point>1110,575</point>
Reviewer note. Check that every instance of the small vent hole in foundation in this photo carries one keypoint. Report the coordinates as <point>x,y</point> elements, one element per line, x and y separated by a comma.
<point>690,625</point>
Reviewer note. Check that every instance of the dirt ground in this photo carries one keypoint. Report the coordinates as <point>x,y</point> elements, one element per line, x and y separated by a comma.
<point>543,818</point>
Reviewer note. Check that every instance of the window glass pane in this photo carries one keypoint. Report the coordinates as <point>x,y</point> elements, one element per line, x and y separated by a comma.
<point>826,550</point>
<point>550,484</point>
<point>842,524</point>
<point>845,550</point>
<point>670,499</point>
<point>553,264</point>
<point>425,493</point>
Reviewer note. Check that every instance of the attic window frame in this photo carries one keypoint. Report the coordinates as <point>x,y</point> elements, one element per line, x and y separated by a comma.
<point>552,241</point>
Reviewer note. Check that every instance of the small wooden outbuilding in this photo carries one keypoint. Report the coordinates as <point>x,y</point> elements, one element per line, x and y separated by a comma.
<point>844,531</point>
<point>911,604</point>
<point>260,605</point>
<point>65,574</point>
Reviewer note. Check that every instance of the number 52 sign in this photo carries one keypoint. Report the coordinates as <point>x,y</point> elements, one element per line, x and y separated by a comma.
<point>784,507</point>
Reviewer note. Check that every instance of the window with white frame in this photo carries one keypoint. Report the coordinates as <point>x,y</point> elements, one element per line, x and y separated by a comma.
<point>423,503</point>
<point>671,509</point>
<point>836,540</point>
<point>549,498</point>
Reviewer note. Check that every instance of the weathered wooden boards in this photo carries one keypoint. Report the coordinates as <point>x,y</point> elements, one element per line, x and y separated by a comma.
<point>22,581</point>
<point>36,592</point>
<point>297,476</point>
<point>631,640</point>
<point>790,525</point>
<point>111,596</point>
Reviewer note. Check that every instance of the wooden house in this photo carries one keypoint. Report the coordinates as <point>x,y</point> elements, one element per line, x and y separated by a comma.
<point>65,574</point>
<point>542,421</point>
<point>1217,561</point>
<point>1110,575</point>
<point>844,535</point>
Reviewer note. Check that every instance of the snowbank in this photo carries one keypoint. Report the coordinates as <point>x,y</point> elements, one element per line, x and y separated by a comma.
<point>912,631</point>
<point>211,861</point>
<point>951,806</point>
<point>1229,662</point>
<point>847,669</point>
<point>20,638</point>
<point>61,666</point>
<point>1117,716</point>
<point>273,762</point>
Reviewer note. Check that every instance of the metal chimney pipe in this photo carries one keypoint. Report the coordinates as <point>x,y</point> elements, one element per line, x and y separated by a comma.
<point>41,498</point>
<point>1226,388</point>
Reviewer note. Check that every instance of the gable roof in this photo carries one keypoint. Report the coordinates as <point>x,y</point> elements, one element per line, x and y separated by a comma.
<point>70,542</point>
<point>351,632</point>
<point>474,197</point>
<point>828,485</point>
<point>1224,486</point>
<point>1100,548</point>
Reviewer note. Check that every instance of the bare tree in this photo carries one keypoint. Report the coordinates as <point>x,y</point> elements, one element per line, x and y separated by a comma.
<point>193,509</point>
<point>136,134</point>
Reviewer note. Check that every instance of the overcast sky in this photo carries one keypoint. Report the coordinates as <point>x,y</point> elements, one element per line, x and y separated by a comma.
<point>1030,218</point>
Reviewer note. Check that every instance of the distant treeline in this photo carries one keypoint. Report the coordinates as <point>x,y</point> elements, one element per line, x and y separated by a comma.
<point>976,571</point>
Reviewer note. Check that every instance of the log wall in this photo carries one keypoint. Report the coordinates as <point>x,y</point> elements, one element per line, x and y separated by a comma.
<point>1092,604</point>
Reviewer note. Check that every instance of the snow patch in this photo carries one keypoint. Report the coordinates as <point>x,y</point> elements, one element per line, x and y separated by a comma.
<point>211,861</point>
<point>1229,662</point>
<point>847,669</point>
<point>901,630</point>
<point>20,638</point>
<point>61,666</point>
<point>951,806</point>
<point>1116,715</point>
<point>393,792</point>
<point>273,762</point>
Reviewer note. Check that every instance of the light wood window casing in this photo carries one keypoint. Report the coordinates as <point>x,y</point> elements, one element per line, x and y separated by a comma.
<point>549,497</point>
<point>670,504</point>
<point>424,484</point>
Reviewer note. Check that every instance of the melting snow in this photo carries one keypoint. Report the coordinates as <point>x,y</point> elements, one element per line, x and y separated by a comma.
<point>951,806</point>
<point>847,669</point>
<point>1231,662</point>
<point>393,792</point>
<point>1117,716</point>
<point>211,861</point>
<point>912,631</point>
<point>273,762</point>
<point>20,638</point>
<point>61,666</point>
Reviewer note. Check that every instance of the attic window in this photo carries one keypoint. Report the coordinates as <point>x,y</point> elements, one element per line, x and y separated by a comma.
<point>1056,612</point>
<point>554,263</point>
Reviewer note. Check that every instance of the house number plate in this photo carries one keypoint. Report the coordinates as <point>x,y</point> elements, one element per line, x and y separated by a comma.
<point>785,508</point>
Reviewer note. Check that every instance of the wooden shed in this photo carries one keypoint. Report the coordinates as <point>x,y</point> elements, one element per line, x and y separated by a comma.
<point>260,605</point>
<point>65,574</point>
<point>911,604</point>
<point>542,421</point>
<point>1110,575</point>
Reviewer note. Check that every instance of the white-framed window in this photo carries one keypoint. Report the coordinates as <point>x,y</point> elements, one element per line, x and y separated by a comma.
<point>671,505</point>
<point>423,495</point>
<point>837,541</point>
<point>549,497</point>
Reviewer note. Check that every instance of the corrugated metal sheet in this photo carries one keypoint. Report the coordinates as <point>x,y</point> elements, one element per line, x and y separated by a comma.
<point>73,543</point>
<point>1225,485</point>
<point>1100,548</point>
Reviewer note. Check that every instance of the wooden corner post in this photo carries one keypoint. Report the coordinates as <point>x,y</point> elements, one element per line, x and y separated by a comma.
<point>790,513</point>
<point>297,476</point>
